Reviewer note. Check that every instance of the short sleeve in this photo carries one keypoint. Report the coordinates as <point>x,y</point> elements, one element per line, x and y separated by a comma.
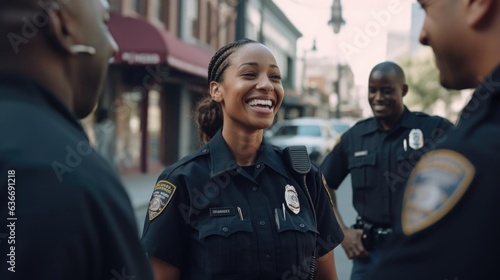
<point>166,227</point>
<point>330,233</point>
<point>334,167</point>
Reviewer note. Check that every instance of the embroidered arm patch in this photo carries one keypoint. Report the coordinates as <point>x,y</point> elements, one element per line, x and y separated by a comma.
<point>162,194</point>
<point>435,186</point>
<point>325,187</point>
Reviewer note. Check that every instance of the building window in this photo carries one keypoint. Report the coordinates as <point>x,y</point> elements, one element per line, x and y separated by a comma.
<point>230,29</point>
<point>209,22</point>
<point>289,73</point>
<point>140,6</point>
<point>193,17</point>
<point>164,13</point>
<point>115,5</point>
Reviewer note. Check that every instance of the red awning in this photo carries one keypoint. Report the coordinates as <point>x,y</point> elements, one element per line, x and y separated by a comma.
<point>141,42</point>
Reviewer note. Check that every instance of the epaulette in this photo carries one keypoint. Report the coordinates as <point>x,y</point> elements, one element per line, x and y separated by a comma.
<point>363,121</point>
<point>421,114</point>
<point>277,149</point>
<point>360,125</point>
<point>203,150</point>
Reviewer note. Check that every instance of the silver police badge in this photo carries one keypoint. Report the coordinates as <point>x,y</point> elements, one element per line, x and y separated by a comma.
<point>292,199</point>
<point>416,138</point>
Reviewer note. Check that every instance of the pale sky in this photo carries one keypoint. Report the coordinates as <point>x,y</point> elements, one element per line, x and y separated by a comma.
<point>361,41</point>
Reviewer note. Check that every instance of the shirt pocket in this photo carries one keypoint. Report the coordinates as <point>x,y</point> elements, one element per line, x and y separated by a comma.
<point>225,246</point>
<point>363,171</point>
<point>406,161</point>
<point>297,240</point>
<point>295,222</point>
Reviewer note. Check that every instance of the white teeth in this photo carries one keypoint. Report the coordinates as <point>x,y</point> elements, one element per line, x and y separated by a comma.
<point>265,102</point>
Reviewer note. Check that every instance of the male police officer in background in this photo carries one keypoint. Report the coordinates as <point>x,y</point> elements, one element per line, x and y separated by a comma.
<point>380,152</point>
<point>64,213</point>
<point>452,199</point>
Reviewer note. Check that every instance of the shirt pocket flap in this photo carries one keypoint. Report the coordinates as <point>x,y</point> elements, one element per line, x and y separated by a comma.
<point>295,223</point>
<point>223,226</point>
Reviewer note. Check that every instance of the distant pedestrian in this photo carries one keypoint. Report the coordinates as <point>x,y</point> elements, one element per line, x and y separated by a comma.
<point>452,198</point>
<point>379,153</point>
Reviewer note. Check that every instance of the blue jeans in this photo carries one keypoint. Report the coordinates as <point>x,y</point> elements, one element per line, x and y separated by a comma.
<point>360,267</point>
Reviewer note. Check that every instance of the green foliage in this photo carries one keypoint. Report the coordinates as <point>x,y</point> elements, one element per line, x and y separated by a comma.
<point>422,78</point>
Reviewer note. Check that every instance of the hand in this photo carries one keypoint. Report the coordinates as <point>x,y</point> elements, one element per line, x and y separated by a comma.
<point>352,245</point>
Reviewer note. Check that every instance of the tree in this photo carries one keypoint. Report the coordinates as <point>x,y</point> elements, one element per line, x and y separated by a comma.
<point>422,78</point>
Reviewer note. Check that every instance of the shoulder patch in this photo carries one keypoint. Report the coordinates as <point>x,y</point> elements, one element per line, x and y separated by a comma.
<point>436,184</point>
<point>162,194</point>
<point>325,186</point>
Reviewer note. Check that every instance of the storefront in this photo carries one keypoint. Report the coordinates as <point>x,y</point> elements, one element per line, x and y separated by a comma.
<point>153,83</point>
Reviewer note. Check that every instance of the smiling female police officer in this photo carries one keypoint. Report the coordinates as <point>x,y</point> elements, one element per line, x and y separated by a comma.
<point>232,209</point>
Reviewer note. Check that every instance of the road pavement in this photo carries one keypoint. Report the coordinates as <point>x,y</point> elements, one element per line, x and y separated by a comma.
<point>140,187</point>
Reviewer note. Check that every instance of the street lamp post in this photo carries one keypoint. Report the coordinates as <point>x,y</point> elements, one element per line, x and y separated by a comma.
<point>337,21</point>
<point>304,68</point>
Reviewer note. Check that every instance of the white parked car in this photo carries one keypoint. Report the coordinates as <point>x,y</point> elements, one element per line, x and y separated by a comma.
<point>314,133</point>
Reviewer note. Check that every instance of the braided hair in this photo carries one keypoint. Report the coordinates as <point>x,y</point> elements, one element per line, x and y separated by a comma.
<point>208,112</point>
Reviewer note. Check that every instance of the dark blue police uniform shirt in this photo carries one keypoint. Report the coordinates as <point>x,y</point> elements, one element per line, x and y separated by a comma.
<point>74,219</point>
<point>201,231</point>
<point>459,238</point>
<point>378,162</point>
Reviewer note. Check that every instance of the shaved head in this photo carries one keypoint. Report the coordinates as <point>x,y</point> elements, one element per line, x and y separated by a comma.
<point>21,21</point>
<point>388,66</point>
<point>64,44</point>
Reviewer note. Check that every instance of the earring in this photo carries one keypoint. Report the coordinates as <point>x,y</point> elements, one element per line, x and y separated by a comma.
<point>76,49</point>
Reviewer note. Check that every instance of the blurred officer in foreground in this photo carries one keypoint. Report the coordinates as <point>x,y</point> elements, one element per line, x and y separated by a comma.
<point>233,209</point>
<point>64,212</point>
<point>452,197</point>
<point>379,153</point>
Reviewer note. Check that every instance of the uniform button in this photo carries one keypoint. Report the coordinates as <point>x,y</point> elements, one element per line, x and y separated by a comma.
<point>268,257</point>
<point>204,150</point>
<point>225,229</point>
<point>254,188</point>
<point>258,166</point>
<point>262,223</point>
<point>302,225</point>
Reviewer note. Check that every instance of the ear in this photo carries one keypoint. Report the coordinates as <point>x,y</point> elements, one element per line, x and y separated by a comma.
<point>405,89</point>
<point>477,11</point>
<point>216,91</point>
<point>60,28</point>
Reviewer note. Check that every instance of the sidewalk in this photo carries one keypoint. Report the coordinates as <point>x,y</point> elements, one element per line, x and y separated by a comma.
<point>139,188</point>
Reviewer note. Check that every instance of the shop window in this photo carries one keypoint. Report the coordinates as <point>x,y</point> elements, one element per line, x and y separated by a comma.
<point>154,127</point>
<point>128,131</point>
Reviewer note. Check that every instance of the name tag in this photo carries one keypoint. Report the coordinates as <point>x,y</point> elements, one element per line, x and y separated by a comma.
<point>361,153</point>
<point>222,211</point>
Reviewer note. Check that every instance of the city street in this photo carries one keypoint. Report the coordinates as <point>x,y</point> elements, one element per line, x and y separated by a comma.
<point>344,201</point>
<point>140,187</point>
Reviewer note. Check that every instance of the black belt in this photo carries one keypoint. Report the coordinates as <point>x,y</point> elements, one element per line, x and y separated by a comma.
<point>374,237</point>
